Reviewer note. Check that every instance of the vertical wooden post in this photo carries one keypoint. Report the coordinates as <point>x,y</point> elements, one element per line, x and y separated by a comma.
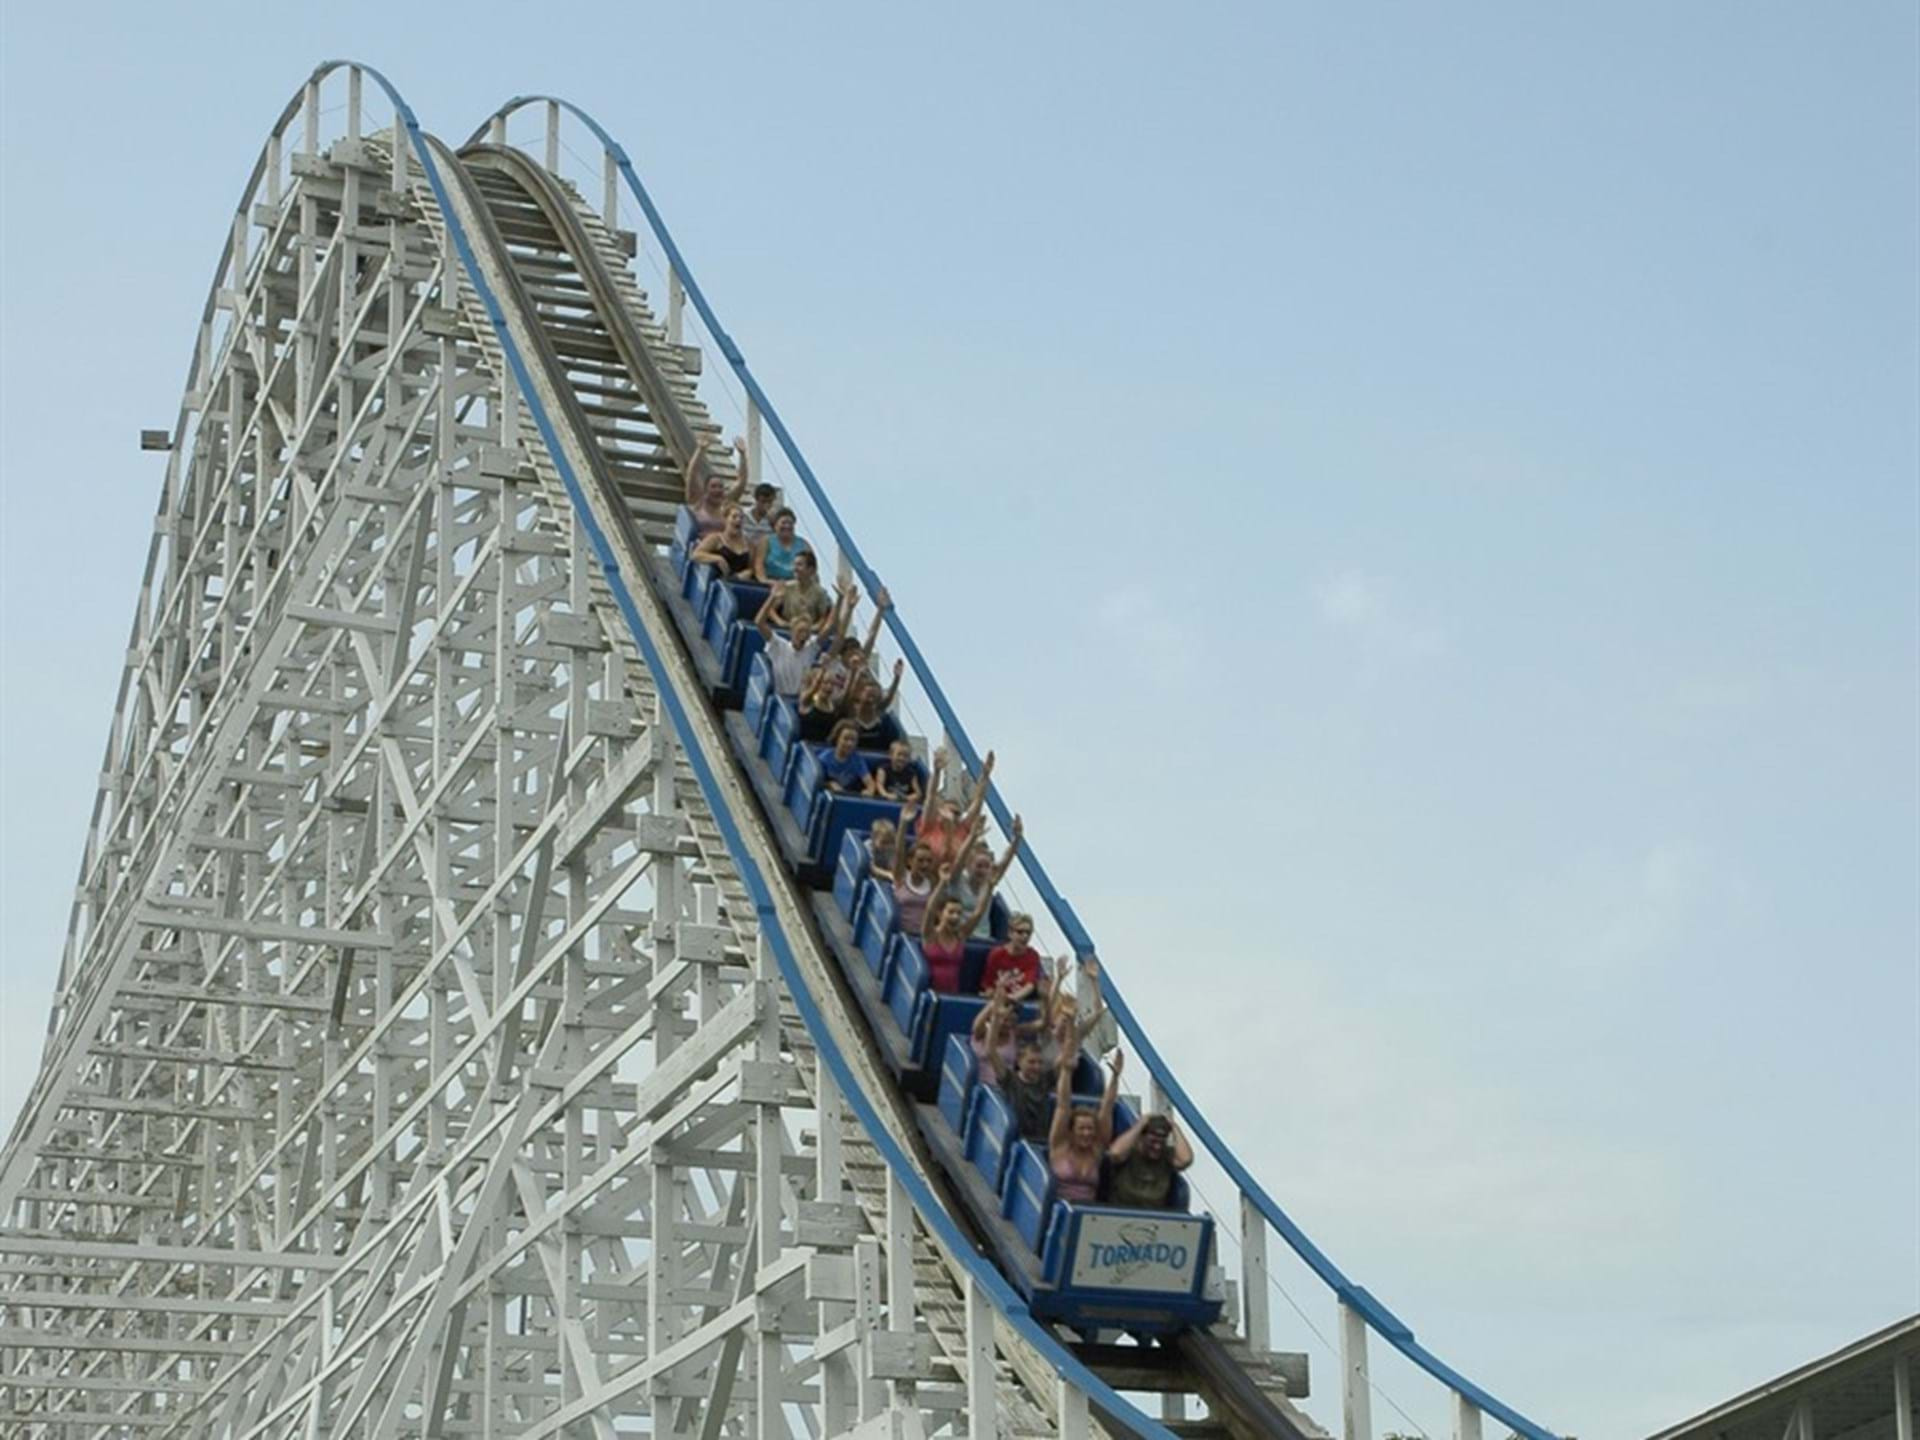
<point>1254,1295</point>
<point>1356,1403</point>
<point>980,1396</point>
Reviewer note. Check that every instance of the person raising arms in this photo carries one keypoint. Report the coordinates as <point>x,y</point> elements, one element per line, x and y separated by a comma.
<point>708,494</point>
<point>869,704</point>
<point>1066,1030</point>
<point>827,686</point>
<point>981,874</point>
<point>1079,1137</point>
<point>944,942</point>
<point>993,1039</point>
<point>913,886</point>
<point>857,678</point>
<point>790,658</point>
<point>945,827</point>
<point>1141,1164</point>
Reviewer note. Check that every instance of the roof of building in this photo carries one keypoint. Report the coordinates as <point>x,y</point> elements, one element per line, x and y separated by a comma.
<point>1851,1392</point>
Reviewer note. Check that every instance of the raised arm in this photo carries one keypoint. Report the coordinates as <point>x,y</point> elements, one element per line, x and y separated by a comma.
<point>881,600</point>
<point>982,902</point>
<point>763,617</point>
<point>933,775</point>
<point>1111,1097</point>
<point>983,1026</point>
<point>1001,1010</point>
<point>740,475</point>
<point>980,786</point>
<point>809,687</point>
<point>1013,848</point>
<point>844,604</point>
<point>1099,1006</point>
<point>940,884</point>
<point>1182,1152</point>
<point>694,482</point>
<point>1062,1108</point>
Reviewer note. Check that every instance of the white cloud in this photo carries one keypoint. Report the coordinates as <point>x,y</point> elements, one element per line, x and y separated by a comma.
<point>1351,599</point>
<point>1157,640</point>
<point>1607,913</point>
<point>1368,607</point>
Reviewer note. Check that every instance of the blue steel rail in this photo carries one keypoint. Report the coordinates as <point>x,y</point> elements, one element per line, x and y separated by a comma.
<point>981,1271</point>
<point>1378,1318</point>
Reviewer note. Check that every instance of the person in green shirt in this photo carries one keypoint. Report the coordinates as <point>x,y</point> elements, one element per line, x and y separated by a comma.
<point>1141,1164</point>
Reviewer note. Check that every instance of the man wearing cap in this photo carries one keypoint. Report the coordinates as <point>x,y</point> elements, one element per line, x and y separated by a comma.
<point>1141,1164</point>
<point>756,523</point>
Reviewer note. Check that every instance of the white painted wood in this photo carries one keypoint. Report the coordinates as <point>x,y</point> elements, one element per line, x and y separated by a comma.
<point>1255,1293</point>
<point>981,1409</point>
<point>756,469</point>
<point>1466,1418</point>
<point>1903,1397</point>
<point>409,976</point>
<point>899,1257</point>
<point>1356,1391</point>
<point>1075,1422</point>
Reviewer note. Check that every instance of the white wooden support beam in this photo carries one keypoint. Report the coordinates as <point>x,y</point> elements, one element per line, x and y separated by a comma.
<point>1466,1418</point>
<point>1075,1423</point>
<point>1356,1394</point>
<point>676,306</point>
<point>755,470</point>
<point>899,1257</point>
<point>866,1319</point>
<point>979,1373</point>
<point>1903,1397</point>
<point>1255,1297</point>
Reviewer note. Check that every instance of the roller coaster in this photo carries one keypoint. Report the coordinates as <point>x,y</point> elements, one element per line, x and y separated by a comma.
<point>478,1016</point>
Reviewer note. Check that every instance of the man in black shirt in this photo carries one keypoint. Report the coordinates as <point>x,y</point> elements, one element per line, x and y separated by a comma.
<point>1029,1092</point>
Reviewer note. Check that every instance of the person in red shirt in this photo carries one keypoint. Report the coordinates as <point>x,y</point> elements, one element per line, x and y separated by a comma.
<point>1017,958</point>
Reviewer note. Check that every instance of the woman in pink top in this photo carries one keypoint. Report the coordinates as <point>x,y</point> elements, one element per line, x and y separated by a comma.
<point>708,495</point>
<point>945,942</point>
<point>1079,1137</point>
<point>914,886</point>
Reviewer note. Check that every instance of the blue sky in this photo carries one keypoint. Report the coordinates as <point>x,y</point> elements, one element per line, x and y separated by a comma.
<point>1422,500</point>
